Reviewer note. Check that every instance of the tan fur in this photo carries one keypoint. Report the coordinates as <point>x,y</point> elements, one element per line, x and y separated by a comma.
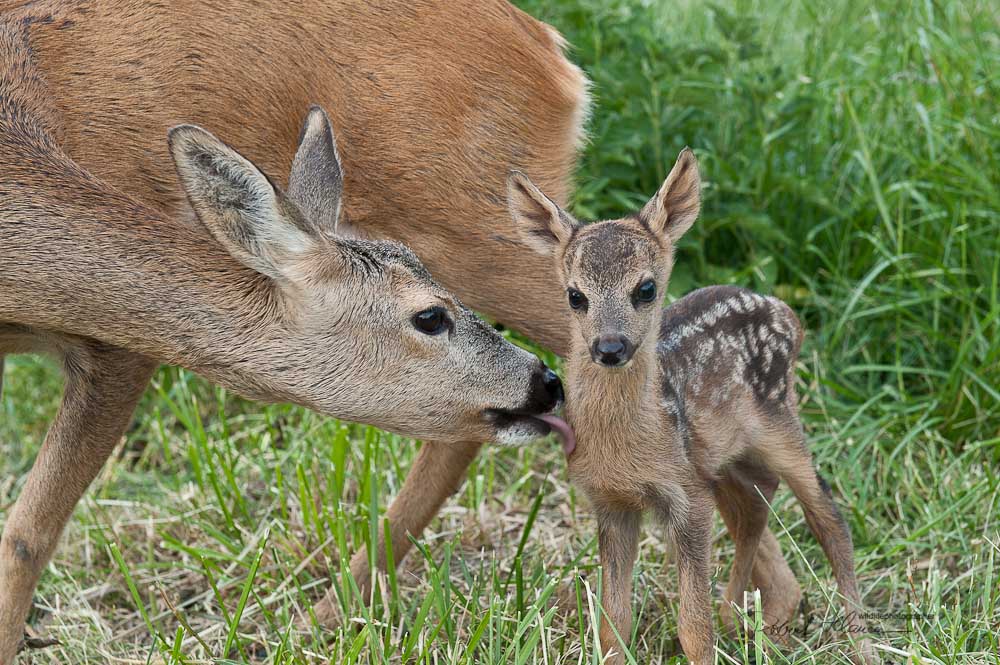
<point>258,295</point>
<point>429,121</point>
<point>699,409</point>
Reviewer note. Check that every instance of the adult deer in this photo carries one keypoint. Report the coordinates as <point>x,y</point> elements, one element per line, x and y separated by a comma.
<point>433,103</point>
<point>264,299</point>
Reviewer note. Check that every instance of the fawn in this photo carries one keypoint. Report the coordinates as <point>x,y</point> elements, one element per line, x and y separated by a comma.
<point>679,408</point>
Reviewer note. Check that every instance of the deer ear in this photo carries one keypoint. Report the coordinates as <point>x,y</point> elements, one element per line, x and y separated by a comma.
<point>543,224</point>
<point>238,204</point>
<point>316,183</point>
<point>675,207</point>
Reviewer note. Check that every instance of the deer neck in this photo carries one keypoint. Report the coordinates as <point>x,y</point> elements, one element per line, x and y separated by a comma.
<point>126,276</point>
<point>608,408</point>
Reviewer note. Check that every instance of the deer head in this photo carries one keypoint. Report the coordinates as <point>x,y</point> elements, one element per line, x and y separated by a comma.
<point>615,272</point>
<point>356,329</point>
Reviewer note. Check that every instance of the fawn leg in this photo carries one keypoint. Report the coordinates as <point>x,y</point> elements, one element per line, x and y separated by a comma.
<point>758,555</point>
<point>103,385</point>
<point>436,474</point>
<point>792,461</point>
<point>780,592</point>
<point>618,541</point>
<point>691,531</point>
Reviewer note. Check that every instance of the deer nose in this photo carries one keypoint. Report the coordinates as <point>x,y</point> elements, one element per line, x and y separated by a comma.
<point>611,350</point>
<point>552,385</point>
<point>546,391</point>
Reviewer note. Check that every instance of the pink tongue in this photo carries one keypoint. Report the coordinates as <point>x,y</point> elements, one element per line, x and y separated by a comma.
<point>562,428</point>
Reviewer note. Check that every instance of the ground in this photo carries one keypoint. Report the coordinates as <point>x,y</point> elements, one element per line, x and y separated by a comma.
<point>851,156</point>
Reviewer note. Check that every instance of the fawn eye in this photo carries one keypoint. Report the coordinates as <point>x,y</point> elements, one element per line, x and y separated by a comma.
<point>433,321</point>
<point>645,292</point>
<point>576,299</point>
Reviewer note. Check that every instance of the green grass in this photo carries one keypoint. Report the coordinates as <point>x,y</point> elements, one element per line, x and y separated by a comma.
<point>851,152</point>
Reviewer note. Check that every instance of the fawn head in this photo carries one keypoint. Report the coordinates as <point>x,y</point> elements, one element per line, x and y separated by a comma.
<point>615,272</point>
<point>356,329</point>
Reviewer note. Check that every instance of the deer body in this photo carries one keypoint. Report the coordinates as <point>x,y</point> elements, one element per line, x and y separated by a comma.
<point>259,295</point>
<point>427,122</point>
<point>676,411</point>
<point>689,417</point>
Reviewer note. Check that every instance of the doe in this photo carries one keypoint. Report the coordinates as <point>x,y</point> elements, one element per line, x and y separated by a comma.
<point>677,409</point>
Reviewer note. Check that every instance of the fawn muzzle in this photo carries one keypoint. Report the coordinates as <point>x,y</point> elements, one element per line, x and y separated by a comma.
<point>612,350</point>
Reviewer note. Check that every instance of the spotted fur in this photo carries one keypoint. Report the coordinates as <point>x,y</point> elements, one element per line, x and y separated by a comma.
<point>698,411</point>
<point>721,340</point>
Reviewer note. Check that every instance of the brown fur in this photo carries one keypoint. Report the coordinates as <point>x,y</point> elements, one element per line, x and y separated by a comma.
<point>258,295</point>
<point>700,410</point>
<point>429,122</point>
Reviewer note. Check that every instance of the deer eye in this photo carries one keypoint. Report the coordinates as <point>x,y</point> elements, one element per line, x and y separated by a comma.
<point>645,292</point>
<point>433,321</point>
<point>576,299</point>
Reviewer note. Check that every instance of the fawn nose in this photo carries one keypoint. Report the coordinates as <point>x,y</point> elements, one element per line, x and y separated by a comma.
<point>611,350</point>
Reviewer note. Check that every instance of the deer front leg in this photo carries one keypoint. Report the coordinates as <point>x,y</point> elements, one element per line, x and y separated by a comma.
<point>103,385</point>
<point>437,473</point>
<point>618,541</point>
<point>691,531</point>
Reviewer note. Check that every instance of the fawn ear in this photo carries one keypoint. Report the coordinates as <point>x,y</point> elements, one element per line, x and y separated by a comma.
<point>675,207</point>
<point>543,224</point>
<point>316,183</point>
<point>239,205</point>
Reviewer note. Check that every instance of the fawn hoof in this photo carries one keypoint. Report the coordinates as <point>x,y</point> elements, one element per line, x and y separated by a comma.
<point>729,617</point>
<point>327,613</point>
<point>781,609</point>
<point>614,656</point>
<point>780,613</point>
<point>865,653</point>
<point>35,642</point>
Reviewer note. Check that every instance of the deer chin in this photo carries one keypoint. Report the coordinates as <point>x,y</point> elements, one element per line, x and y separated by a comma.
<point>517,429</point>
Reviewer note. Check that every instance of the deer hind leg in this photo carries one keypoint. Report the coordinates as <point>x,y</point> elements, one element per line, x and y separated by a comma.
<point>791,460</point>
<point>618,541</point>
<point>436,474</point>
<point>103,385</point>
<point>742,494</point>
